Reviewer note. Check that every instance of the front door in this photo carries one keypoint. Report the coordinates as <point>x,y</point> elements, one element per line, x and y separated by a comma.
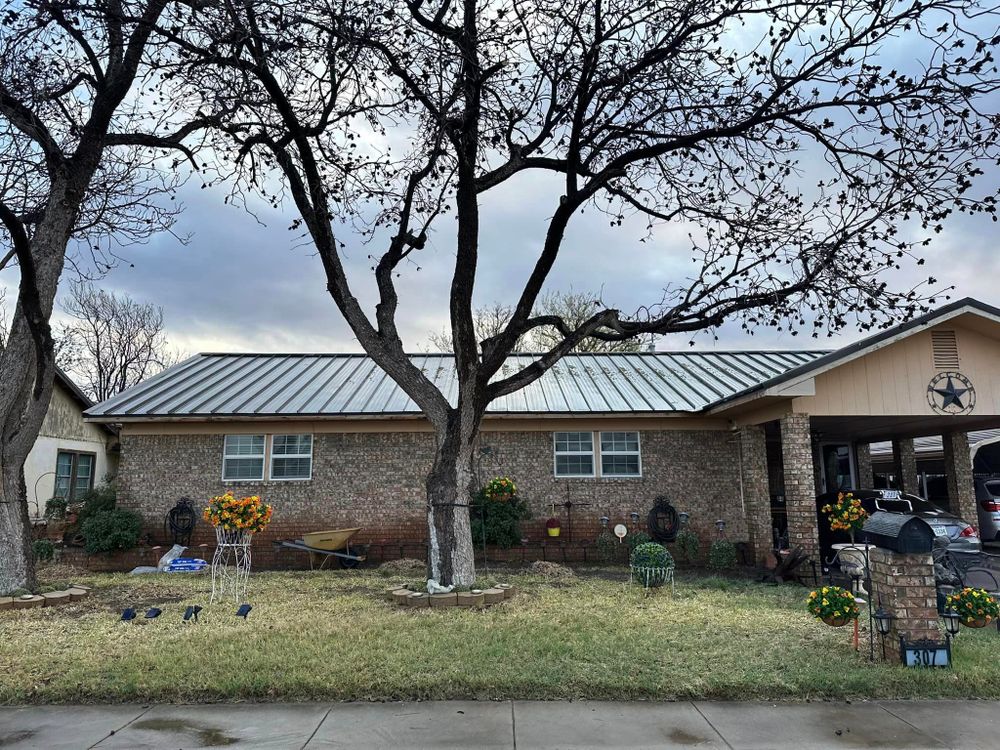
<point>837,464</point>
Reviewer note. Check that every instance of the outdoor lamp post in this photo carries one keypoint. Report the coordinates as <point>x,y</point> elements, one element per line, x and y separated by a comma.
<point>883,621</point>
<point>952,621</point>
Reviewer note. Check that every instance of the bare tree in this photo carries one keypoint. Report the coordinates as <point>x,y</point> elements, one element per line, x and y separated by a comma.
<point>804,163</point>
<point>112,343</point>
<point>572,307</point>
<point>86,108</point>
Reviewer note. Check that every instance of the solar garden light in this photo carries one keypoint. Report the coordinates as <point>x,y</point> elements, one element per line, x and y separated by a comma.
<point>604,522</point>
<point>952,621</point>
<point>856,582</point>
<point>883,621</point>
<point>682,518</point>
<point>634,516</point>
<point>721,526</point>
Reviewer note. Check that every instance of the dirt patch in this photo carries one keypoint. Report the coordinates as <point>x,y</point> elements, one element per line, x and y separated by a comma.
<point>550,570</point>
<point>405,566</point>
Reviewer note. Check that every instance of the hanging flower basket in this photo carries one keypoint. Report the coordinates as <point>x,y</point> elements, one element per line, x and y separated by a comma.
<point>976,607</point>
<point>500,489</point>
<point>553,527</point>
<point>833,605</point>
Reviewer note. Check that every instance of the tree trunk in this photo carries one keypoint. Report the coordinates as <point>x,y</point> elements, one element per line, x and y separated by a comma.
<point>16,563</point>
<point>449,485</point>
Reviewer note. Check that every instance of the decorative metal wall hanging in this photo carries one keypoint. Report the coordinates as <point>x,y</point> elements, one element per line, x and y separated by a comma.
<point>951,393</point>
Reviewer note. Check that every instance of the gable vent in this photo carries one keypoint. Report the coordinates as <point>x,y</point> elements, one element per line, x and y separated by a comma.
<point>944,345</point>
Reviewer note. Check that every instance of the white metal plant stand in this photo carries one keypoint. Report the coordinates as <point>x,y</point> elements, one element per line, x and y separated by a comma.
<point>651,577</point>
<point>231,564</point>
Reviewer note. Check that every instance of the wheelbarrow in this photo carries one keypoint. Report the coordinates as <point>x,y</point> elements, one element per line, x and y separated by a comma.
<point>328,545</point>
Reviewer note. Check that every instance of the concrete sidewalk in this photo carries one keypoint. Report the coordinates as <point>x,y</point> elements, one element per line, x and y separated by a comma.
<point>522,725</point>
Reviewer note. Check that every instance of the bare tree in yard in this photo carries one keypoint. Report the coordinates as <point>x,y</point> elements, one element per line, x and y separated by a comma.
<point>112,342</point>
<point>805,164</point>
<point>572,307</point>
<point>82,114</point>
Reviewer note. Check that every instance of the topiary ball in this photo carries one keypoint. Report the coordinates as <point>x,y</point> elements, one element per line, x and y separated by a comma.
<point>651,555</point>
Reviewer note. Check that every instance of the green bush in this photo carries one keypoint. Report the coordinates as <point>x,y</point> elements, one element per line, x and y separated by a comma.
<point>651,555</point>
<point>102,498</point>
<point>636,538</point>
<point>606,545</point>
<point>43,550</point>
<point>56,508</point>
<point>498,520</point>
<point>688,545</point>
<point>111,530</point>
<point>722,555</point>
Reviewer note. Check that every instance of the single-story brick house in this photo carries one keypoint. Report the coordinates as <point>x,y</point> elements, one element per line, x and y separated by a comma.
<point>746,436</point>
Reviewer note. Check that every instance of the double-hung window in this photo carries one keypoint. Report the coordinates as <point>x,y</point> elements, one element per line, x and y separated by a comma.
<point>74,474</point>
<point>243,457</point>
<point>620,454</point>
<point>574,454</point>
<point>291,456</point>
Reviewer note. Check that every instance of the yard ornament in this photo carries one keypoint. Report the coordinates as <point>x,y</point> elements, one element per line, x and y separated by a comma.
<point>433,587</point>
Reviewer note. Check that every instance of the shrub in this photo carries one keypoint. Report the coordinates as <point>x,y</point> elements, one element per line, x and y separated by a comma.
<point>55,508</point>
<point>499,520</point>
<point>43,550</point>
<point>606,545</point>
<point>111,530</point>
<point>102,498</point>
<point>722,555</point>
<point>651,555</point>
<point>635,539</point>
<point>688,545</point>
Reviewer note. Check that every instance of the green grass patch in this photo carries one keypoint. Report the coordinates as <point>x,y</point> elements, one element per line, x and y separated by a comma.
<point>332,636</point>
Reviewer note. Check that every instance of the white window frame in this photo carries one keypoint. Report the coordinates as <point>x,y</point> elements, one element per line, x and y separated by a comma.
<point>270,472</point>
<point>231,456</point>
<point>592,453</point>
<point>637,453</point>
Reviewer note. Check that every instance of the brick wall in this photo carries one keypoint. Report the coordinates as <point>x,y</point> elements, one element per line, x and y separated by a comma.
<point>799,479</point>
<point>375,480</point>
<point>904,584</point>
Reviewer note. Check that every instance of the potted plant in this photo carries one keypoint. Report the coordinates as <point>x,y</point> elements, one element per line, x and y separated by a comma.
<point>500,489</point>
<point>55,518</point>
<point>833,605</point>
<point>651,564</point>
<point>976,607</point>
<point>552,526</point>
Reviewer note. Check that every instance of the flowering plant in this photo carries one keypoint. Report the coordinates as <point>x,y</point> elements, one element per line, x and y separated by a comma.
<point>846,514</point>
<point>553,523</point>
<point>238,514</point>
<point>500,489</point>
<point>832,603</point>
<point>974,605</point>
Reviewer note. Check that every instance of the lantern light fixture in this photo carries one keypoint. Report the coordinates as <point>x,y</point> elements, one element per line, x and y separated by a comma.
<point>883,621</point>
<point>952,621</point>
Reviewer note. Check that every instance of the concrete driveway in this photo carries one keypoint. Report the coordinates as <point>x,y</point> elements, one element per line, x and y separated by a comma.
<point>521,725</point>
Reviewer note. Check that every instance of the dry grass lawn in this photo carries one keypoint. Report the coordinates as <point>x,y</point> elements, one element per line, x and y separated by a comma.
<point>331,636</point>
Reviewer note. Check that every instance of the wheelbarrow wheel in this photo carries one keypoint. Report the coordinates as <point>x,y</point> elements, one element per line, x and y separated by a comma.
<point>348,564</point>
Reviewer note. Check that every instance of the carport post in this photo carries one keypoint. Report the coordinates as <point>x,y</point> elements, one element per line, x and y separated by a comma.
<point>800,487</point>
<point>863,464</point>
<point>904,458</point>
<point>958,469</point>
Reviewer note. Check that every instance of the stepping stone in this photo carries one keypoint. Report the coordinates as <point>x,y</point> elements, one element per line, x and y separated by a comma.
<point>6,602</point>
<point>473,598</point>
<point>77,593</point>
<point>53,598</point>
<point>400,596</point>
<point>28,602</point>
<point>418,599</point>
<point>444,600</point>
<point>493,596</point>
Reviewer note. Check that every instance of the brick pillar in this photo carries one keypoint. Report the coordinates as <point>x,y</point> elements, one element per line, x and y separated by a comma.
<point>863,465</point>
<point>958,468</point>
<point>905,463</point>
<point>904,585</point>
<point>800,494</point>
<point>756,493</point>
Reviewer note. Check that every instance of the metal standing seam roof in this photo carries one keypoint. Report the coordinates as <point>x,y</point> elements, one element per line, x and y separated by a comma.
<point>348,385</point>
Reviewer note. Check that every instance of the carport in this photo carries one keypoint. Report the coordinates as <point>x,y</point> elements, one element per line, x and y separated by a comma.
<point>809,431</point>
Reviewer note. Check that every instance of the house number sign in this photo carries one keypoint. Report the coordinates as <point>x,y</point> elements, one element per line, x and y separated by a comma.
<point>925,653</point>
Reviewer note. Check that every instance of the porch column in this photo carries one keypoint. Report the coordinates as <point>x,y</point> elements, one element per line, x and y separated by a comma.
<point>958,469</point>
<point>756,492</point>
<point>863,464</point>
<point>905,463</point>
<point>800,488</point>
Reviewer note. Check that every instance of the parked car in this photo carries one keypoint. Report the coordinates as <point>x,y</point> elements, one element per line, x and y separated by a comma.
<point>962,536</point>
<point>988,505</point>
